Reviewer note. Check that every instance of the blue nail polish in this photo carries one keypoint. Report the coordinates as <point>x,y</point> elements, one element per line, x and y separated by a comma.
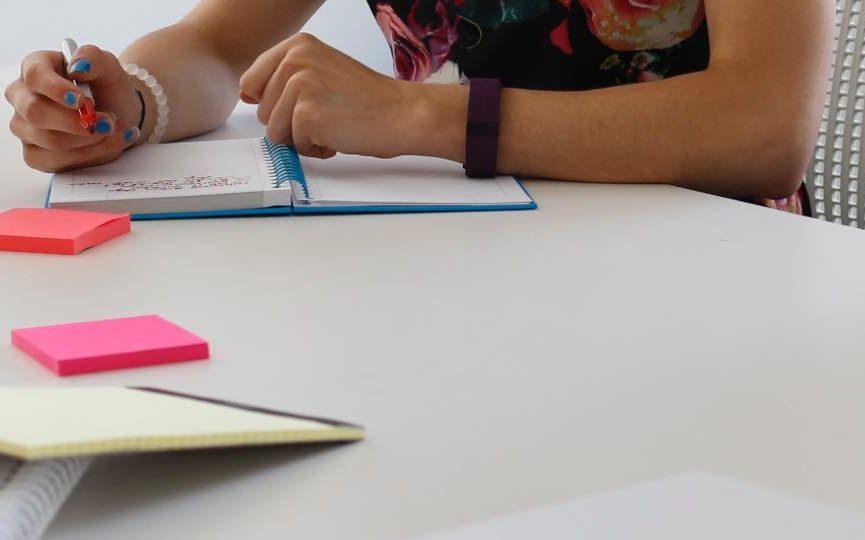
<point>103,127</point>
<point>80,66</point>
<point>71,99</point>
<point>130,134</point>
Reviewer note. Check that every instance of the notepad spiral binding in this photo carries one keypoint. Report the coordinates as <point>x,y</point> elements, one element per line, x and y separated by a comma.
<point>34,492</point>
<point>283,165</point>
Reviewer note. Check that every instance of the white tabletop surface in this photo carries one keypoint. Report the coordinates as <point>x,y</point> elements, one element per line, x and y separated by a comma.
<point>500,361</point>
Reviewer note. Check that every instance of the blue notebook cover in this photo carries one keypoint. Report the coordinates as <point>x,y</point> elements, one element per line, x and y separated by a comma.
<point>283,164</point>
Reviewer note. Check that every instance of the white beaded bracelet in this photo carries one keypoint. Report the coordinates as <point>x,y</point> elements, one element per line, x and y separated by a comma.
<point>158,92</point>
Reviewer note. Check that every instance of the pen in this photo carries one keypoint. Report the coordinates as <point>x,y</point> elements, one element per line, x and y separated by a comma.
<point>87,108</point>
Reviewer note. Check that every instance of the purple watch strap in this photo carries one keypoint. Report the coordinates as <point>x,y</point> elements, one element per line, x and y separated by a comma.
<point>482,128</point>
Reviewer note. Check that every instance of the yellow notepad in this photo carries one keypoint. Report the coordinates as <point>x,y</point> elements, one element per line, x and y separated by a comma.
<point>41,423</point>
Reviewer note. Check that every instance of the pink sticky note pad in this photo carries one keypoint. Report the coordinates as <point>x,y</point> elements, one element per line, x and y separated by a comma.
<point>54,230</point>
<point>87,347</point>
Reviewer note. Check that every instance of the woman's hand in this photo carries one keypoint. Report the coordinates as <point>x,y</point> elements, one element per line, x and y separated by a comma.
<point>323,102</point>
<point>46,116</point>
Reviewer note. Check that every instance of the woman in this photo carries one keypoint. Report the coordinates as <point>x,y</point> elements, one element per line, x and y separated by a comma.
<point>739,122</point>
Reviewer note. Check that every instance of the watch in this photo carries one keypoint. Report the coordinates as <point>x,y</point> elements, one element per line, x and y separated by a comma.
<point>482,128</point>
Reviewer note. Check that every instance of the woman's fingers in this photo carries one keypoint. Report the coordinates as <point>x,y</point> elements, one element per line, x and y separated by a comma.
<point>281,121</point>
<point>284,73</point>
<point>306,122</point>
<point>47,138</point>
<point>254,81</point>
<point>106,150</point>
<point>42,73</point>
<point>279,62</point>
<point>46,105</point>
<point>274,91</point>
<point>41,111</point>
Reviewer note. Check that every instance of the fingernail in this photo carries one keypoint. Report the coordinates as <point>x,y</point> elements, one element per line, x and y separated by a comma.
<point>71,99</point>
<point>81,66</point>
<point>248,99</point>
<point>131,134</point>
<point>103,127</point>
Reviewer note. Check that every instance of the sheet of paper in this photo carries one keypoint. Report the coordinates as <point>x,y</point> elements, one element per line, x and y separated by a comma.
<point>687,507</point>
<point>411,180</point>
<point>169,170</point>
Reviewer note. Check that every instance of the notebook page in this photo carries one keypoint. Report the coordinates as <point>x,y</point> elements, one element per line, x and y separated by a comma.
<point>406,180</point>
<point>197,169</point>
<point>31,494</point>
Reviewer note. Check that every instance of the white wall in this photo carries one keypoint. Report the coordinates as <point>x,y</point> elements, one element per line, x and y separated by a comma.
<point>40,24</point>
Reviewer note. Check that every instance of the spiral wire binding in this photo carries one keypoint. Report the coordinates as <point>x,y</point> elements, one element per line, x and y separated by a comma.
<point>34,493</point>
<point>283,165</point>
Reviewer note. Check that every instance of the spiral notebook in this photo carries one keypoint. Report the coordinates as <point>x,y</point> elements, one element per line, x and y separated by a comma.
<point>50,423</point>
<point>255,176</point>
<point>50,436</point>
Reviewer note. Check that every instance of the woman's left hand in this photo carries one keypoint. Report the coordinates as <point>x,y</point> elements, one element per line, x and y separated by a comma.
<point>324,102</point>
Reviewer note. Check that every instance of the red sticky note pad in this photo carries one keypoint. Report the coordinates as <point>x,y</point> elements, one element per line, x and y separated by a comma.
<point>87,347</point>
<point>54,230</point>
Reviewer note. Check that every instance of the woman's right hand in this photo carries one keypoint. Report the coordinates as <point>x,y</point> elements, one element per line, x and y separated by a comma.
<point>46,116</point>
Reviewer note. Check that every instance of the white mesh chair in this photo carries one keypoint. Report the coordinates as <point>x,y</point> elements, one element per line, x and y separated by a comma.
<point>833,177</point>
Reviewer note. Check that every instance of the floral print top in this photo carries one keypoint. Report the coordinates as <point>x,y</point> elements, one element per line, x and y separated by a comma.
<point>550,44</point>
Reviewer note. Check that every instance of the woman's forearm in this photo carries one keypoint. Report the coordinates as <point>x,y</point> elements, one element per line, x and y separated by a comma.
<point>709,131</point>
<point>199,61</point>
<point>200,86</point>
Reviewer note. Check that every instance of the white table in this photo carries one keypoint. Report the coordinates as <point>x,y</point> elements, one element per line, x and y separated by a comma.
<point>500,361</point>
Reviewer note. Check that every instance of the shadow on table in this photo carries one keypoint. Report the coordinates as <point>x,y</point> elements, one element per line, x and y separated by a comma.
<point>119,484</point>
